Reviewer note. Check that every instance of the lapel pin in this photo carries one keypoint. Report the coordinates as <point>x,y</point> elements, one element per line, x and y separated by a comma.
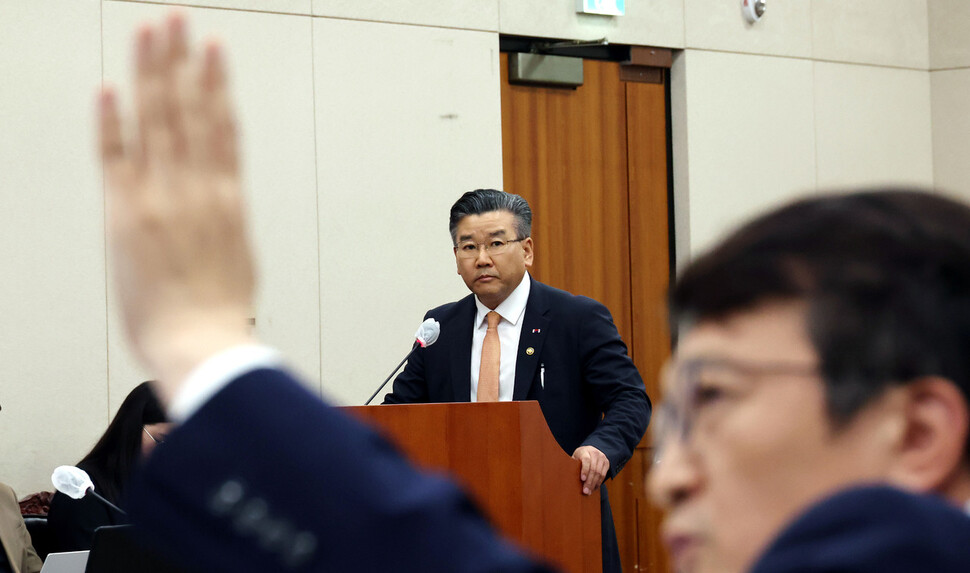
<point>536,330</point>
<point>530,351</point>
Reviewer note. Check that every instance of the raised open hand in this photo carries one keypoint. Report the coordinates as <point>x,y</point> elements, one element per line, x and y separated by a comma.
<point>175,209</point>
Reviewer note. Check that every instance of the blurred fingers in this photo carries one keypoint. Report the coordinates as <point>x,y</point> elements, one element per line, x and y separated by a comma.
<point>154,139</point>
<point>177,83</point>
<point>178,46</point>
<point>216,105</point>
<point>112,144</point>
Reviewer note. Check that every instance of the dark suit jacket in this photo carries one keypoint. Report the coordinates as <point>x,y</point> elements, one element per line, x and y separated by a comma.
<point>266,477</point>
<point>873,530</point>
<point>592,393</point>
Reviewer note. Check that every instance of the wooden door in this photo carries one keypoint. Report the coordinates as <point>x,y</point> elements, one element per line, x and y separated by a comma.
<point>592,162</point>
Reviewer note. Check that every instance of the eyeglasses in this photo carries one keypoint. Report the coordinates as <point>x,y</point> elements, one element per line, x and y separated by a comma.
<point>160,440</point>
<point>469,249</point>
<point>698,384</point>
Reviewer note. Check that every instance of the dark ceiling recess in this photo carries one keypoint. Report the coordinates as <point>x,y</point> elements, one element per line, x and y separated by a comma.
<point>591,50</point>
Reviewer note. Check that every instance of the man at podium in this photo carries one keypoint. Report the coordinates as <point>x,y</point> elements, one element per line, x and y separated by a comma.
<point>245,482</point>
<point>515,338</point>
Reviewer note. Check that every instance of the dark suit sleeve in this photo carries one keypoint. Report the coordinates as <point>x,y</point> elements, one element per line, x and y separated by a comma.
<point>616,386</point>
<point>410,386</point>
<point>266,477</point>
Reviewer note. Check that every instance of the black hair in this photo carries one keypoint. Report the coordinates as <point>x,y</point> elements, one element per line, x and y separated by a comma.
<point>113,458</point>
<point>885,275</point>
<point>487,200</point>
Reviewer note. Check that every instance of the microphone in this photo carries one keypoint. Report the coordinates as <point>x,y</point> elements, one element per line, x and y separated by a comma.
<point>76,483</point>
<point>426,335</point>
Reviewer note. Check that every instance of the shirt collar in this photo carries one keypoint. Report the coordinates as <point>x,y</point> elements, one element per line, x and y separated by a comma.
<point>512,308</point>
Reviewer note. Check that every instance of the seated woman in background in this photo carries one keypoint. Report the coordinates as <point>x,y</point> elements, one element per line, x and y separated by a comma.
<point>136,429</point>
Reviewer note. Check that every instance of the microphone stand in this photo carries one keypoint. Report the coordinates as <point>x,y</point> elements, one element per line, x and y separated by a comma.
<point>106,502</point>
<point>393,372</point>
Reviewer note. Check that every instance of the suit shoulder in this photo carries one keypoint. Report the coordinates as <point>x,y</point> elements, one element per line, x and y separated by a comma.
<point>872,529</point>
<point>567,301</point>
<point>449,309</point>
<point>882,504</point>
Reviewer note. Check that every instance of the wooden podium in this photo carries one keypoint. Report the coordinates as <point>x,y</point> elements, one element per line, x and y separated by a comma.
<point>504,455</point>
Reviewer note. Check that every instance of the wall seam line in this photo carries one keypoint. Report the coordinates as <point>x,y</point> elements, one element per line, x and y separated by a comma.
<point>311,15</point>
<point>498,17</point>
<point>683,8</point>
<point>415,24</point>
<point>316,194</point>
<point>104,236</point>
<point>812,59</point>
<point>929,41</point>
<point>225,8</point>
<point>815,121</point>
<point>811,23</point>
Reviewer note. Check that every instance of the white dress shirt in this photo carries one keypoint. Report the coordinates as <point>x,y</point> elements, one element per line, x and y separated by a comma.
<point>208,378</point>
<point>512,311</point>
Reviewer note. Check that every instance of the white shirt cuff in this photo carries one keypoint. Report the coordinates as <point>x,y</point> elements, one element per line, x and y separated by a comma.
<point>215,373</point>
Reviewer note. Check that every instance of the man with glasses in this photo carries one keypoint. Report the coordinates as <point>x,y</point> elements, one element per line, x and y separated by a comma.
<point>246,481</point>
<point>515,338</point>
<point>816,412</point>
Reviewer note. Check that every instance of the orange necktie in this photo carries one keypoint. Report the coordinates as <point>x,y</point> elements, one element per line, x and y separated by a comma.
<point>491,361</point>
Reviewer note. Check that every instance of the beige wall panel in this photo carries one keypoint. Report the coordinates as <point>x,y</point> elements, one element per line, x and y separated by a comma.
<point>873,125</point>
<point>882,32</point>
<point>750,138</point>
<point>279,6</point>
<point>403,128</point>
<point>653,23</point>
<point>52,297</point>
<point>465,14</point>
<point>949,34</point>
<point>951,126</point>
<point>785,29</point>
<point>270,58</point>
<point>681,158</point>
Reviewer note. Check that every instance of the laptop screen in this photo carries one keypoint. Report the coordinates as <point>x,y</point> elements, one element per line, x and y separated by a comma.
<point>69,562</point>
<point>116,549</point>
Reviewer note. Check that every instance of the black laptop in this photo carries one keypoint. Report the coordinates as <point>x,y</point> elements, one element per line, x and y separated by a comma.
<point>117,549</point>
